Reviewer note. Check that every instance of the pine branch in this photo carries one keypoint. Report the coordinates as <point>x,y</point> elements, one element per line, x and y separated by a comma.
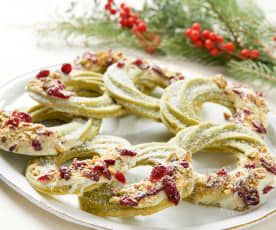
<point>240,22</point>
<point>249,70</point>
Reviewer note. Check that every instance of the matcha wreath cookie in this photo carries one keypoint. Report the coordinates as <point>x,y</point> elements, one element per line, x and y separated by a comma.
<point>170,180</point>
<point>23,132</point>
<point>107,159</point>
<point>240,189</point>
<point>74,93</point>
<point>182,100</point>
<point>123,81</point>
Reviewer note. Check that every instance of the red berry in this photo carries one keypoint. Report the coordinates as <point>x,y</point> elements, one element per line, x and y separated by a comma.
<point>195,35</point>
<point>138,21</point>
<point>219,39</point>
<point>150,50</point>
<point>254,54</point>
<point>245,53</point>
<point>107,6</point>
<point>274,37</point>
<point>213,36</point>
<point>188,32</point>
<point>131,21</point>
<point>196,26</point>
<point>134,29</point>
<point>122,5</point>
<point>127,9</point>
<point>123,22</point>
<point>135,16</point>
<point>113,11</point>
<point>123,14</point>
<point>42,74</point>
<point>142,27</point>
<point>66,68</point>
<point>214,51</point>
<point>205,33</point>
<point>208,44</point>
<point>120,177</point>
<point>229,46</point>
<point>198,43</point>
<point>110,1</point>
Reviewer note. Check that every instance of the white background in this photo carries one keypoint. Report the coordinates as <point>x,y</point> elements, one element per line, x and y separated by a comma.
<point>19,53</point>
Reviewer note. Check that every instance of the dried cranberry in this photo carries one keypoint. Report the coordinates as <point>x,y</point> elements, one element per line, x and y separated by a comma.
<point>109,161</point>
<point>158,172</point>
<point>99,168</point>
<point>120,177</point>
<point>45,177</point>
<point>269,167</point>
<point>126,152</point>
<point>158,70</point>
<point>185,164</point>
<point>120,64</point>
<point>141,64</point>
<point>222,172</point>
<point>93,175</point>
<point>79,164</point>
<point>170,170</point>
<point>259,127</point>
<point>3,139</point>
<point>252,166</point>
<point>42,74</point>
<point>181,78</point>
<point>65,173</point>
<point>46,133</point>
<point>22,116</point>
<point>36,145</point>
<point>107,174</point>
<point>237,91</point>
<point>138,62</point>
<point>171,190</point>
<point>66,68</point>
<point>246,111</point>
<point>126,201</point>
<point>109,61</point>
<point>12,148</point>
<point>56,92</point>
<point>267,189</point>
<point>251,197</point>
<point>14,122</point>
<point>94,60</point>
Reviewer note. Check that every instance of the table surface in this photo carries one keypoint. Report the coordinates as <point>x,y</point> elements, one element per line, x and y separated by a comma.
<point>21,52</point>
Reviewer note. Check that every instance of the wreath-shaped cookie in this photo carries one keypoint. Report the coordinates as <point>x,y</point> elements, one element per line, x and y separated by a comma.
<point>167,184</point>
<point>181,102</point>
<point>22,132</point>
<point>242,188</point>
<point>107,159</point>
<point>121,80</point>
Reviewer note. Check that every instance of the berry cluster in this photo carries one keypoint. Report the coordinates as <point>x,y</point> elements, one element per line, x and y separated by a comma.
<point>215,43</point>
<point>131,21</point>
<point>108,7</point>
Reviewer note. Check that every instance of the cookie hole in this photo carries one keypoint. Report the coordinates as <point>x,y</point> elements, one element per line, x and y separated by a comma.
<point>208,162</point>
<point>209,109</point>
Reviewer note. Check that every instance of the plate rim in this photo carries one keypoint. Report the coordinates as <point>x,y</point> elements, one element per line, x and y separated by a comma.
<point>74,219</point>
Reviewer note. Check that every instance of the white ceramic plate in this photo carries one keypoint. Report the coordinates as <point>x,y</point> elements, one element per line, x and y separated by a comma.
<point>136,130</point>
